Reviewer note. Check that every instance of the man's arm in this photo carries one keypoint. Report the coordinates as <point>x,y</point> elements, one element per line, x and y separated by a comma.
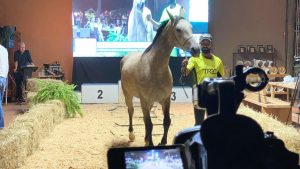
<point>16,66</point>
<point>29,58</point>
<point>154,23</point>
<point>221,69</point>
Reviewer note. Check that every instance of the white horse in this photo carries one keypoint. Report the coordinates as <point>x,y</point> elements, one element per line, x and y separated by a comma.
<point>147,75</point>
<point>140,29</point>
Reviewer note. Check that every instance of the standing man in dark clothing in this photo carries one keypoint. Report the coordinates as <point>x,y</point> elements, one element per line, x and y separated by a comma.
<point>22,58</point>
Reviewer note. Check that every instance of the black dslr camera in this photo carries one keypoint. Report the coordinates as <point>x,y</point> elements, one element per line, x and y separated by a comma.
<point>225,140</point>
<point>228,140</point>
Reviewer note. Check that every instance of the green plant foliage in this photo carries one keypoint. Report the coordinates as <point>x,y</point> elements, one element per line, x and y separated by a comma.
<point>59,91</point>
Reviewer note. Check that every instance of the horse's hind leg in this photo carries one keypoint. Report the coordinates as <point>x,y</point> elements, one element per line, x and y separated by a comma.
<point>128,101</point>
<point>167,120</point>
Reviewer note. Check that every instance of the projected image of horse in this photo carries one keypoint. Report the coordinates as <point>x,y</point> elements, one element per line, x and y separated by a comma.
<point>147,75</point>
<point>140,29</point>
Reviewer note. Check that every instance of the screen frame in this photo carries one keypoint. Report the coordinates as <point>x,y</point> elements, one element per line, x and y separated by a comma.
<point>116,156</point>
<point>90,47</point>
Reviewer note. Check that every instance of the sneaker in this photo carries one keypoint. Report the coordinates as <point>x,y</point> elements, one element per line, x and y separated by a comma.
<point>21,100</point>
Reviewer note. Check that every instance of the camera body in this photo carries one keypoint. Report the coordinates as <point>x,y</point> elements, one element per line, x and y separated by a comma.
<point>229,140</point>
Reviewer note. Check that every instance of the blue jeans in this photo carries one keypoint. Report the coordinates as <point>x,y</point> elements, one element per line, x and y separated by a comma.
<point>2,88</point>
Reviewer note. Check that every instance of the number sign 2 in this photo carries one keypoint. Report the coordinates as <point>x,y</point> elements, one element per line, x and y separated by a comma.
<point>99,93</point>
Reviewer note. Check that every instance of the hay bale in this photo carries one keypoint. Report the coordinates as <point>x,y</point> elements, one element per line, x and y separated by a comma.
<point>23,136</point>
<point>29,98</point>
<point>9,147</point>
<point>58,110</point>
<point>289,135</point>
<point>32,127</point>
<point>18,151</point>
<point>34,84</point>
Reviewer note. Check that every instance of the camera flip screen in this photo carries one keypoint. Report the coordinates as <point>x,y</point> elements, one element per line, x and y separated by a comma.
<point>154,158</point>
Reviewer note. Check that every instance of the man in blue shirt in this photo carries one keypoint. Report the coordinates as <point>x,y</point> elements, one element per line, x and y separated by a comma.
<point>22,58</point>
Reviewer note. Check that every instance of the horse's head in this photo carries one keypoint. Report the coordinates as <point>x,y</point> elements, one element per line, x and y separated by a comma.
<point>140,4</point>
<point>183,35</point>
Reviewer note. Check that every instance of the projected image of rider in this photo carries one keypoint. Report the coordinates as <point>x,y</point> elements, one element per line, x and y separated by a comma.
<point>140,29</point>
<point>174,8</point>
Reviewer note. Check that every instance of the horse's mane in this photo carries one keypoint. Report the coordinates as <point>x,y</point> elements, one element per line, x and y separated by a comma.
<point>159,31</point>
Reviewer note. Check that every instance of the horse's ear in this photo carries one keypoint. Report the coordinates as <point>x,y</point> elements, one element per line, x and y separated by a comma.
<point>171,16</point>
<point>182,12</point>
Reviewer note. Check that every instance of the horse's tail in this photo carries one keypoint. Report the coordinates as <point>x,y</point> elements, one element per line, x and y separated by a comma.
<point>122,63</point>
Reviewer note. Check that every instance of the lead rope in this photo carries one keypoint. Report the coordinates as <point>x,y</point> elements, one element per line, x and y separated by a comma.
<point>181,81</point>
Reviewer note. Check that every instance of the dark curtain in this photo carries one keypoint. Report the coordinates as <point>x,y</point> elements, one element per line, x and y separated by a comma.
<point>107,70</point>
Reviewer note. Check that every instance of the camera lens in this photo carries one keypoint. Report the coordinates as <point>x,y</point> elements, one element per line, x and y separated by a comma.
<point>253,79</point>
<point>256,79</point>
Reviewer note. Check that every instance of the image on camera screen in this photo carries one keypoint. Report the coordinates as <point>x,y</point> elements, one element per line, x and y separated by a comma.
<point>158,159</point>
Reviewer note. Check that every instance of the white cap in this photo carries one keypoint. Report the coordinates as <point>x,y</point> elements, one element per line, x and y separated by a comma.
<point>205,36</point>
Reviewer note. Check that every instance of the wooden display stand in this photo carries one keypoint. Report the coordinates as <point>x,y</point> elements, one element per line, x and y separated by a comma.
<point>247,56</point>
<point>56,77</point>
<point>287,87</point>
<point>273,106</point>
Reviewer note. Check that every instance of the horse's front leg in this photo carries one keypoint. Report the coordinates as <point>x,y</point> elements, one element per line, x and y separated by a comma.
<point>167,120</point>
<point>128,101</point>
<point>146,107</point>
<point>130,129</point>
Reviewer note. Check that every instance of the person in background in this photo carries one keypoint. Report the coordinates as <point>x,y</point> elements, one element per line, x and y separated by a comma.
<point>93,26</point>
<point>99,27</point>
<point>22,58</point>
<point>206,65</point>
<point>173,8</point>
<point>3,78</point>
<point>140,28</point>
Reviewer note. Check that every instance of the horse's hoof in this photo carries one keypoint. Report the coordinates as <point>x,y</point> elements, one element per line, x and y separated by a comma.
<point>131,136</point>
<point>148,143</point>
<point>161,144</point>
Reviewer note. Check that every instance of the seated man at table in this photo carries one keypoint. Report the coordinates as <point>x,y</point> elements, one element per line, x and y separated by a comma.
<point>22,58</point>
